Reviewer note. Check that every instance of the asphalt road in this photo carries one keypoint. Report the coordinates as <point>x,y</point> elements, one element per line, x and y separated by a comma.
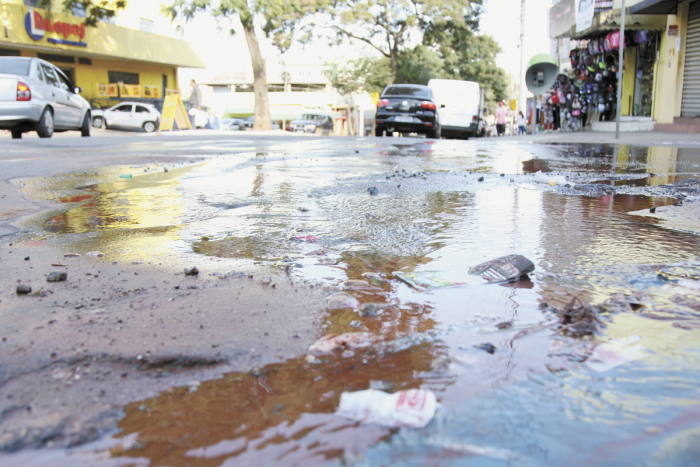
<point>121,329</point>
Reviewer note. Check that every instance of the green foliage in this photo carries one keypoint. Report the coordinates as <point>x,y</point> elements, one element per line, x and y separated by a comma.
<point>281,17</point>
<point>419,65</point>
<point>363,74</point>
<point>387,25</point>
<point>95,10</point>
<point>468,55</point>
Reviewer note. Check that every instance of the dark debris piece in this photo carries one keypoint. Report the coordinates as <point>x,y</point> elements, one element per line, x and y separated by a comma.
<point>193,271</point>
<point>23,289</point>
<point>487,346</point>
<point>580,320</point>
<point>373,191</point>
<point>57,277</point>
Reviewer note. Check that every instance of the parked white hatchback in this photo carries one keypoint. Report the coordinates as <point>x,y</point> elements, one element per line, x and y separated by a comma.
<point>37,96</point>
<point>130,115</point>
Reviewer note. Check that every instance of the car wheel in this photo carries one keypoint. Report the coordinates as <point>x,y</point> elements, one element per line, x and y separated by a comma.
<point>435,134</point>
<point>149,127</point>
<point>44,127</point>
<point>16,134</point>
<point>98,121</point>
<point>85,127</point>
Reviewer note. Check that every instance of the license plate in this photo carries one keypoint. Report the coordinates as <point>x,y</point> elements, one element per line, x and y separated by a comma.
<point>404,119</point>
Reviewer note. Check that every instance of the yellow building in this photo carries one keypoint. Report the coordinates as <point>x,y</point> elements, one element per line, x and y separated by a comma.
<point>131,55</point>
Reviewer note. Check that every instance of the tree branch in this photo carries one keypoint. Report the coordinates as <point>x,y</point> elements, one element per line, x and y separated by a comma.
<point>359,38</point>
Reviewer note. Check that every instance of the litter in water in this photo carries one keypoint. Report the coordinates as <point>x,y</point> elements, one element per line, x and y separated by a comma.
<point>348,340</point>
<point>412,408</point>
<point>342,300</point>
<point>617,352</point>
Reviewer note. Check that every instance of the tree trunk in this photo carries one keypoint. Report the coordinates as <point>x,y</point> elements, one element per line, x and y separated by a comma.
<point>262,103</point>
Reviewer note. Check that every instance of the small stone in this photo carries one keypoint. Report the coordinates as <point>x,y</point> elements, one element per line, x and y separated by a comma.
<point>26,258</point>
<point>481,179</point>
<point>373,191</point>
<point>348,354</point>
<point>23,289</point>
<point>487,346</point>
<point>503,175</point>
<point>368,309</point>
<point>193,271</point>
<point>505,325</point>
<point>165,169</point>
<point>356,323</point>
<point>57,277</point>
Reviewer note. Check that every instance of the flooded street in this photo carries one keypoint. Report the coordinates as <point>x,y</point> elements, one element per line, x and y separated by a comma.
<point>516,383</point>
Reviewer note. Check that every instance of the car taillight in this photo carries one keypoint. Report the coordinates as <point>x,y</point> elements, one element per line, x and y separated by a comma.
<point>428,105</point>
<point>23,92</point>
<point>473,118</point>
<point>383,102</point>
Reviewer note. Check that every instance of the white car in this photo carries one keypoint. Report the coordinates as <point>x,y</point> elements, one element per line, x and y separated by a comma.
<point>37,96</point>
<point>132,115</point>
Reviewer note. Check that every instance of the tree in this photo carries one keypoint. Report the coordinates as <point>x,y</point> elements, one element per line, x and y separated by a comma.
<point>387,25</point>
<point>468,55</point>
<point>280,18</point>
<point>365,74</point>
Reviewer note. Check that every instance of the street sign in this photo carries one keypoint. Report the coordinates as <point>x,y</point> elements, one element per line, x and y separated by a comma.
<point>174,111</point>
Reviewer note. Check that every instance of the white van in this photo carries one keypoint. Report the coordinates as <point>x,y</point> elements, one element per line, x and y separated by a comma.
<point>463,103</point>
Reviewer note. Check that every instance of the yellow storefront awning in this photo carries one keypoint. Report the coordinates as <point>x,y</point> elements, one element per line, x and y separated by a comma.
<point>32,28</point>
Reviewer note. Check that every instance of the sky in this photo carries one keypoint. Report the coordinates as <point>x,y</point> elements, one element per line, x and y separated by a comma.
<point>224,54</point>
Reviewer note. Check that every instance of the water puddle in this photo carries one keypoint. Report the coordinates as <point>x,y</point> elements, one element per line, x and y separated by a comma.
<point>533,400</point>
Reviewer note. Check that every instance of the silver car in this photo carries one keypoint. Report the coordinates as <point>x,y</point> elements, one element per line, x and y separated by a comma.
<point>37,96</point>
<point>134,115</point>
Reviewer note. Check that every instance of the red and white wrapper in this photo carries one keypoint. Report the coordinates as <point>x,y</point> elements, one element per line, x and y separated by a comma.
<point>412,408</point>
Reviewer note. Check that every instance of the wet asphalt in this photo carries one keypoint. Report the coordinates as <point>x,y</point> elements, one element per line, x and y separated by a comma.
<point>129,333</point>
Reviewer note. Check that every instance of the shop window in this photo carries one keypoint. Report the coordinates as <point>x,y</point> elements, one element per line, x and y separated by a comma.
<point>9,53</point>
<point>123,77</point>
<point>33,3</point>
<point>84,61</point>
<point>220,88</point>
<point>56,58</point>
<point>146,25</point>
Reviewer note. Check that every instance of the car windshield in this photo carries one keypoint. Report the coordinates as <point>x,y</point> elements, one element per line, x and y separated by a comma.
<point>417,91</point>
<point>14,66</point>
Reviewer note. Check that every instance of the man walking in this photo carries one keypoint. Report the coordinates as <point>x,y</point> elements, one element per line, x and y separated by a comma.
<point>195,102</point>
<point>501,116</point>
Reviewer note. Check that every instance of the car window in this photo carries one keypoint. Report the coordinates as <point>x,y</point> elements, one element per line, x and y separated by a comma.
<point>39,74</point>
<point>50,75</point>
<point>64,83</point>
<point>14,66</point>
<point>123,108</point>
<point>142,109</point>
<point>407,91</point>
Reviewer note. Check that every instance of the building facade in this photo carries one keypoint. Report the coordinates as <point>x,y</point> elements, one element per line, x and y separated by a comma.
<point>130,56</point>
<point>661,63</point>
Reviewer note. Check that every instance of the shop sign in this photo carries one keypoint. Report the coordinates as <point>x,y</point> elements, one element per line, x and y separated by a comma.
<point>673,30</point>
<point>562,18</point>
<point>584,14</point>
<point>37,25</point>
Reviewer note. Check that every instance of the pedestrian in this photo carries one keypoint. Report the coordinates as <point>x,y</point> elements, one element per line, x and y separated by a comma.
<point>521,123</point>
<point>195,101</point>
<point>501,118</point>
<point>548,109</point>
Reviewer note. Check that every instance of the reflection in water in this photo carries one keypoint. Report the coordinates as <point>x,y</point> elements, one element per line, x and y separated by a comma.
<point>279,414</point>
<point>512,404</point>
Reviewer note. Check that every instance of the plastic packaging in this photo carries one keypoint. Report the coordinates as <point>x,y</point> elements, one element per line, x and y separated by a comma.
<point>501,269</point>
<point>126,176</point>
<point>412,408</point>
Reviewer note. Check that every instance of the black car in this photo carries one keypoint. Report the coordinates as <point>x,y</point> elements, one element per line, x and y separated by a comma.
<point>312,123</point>
<point>407,108</point>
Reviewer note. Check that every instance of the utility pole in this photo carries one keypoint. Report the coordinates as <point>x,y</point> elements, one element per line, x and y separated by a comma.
<point>521,86</point>
<point>621,65</point>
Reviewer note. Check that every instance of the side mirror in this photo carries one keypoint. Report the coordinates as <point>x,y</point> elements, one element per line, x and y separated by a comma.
<point>77,89</point>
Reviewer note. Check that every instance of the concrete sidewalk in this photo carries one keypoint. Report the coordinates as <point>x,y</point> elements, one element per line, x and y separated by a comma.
<point>644,138</point>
